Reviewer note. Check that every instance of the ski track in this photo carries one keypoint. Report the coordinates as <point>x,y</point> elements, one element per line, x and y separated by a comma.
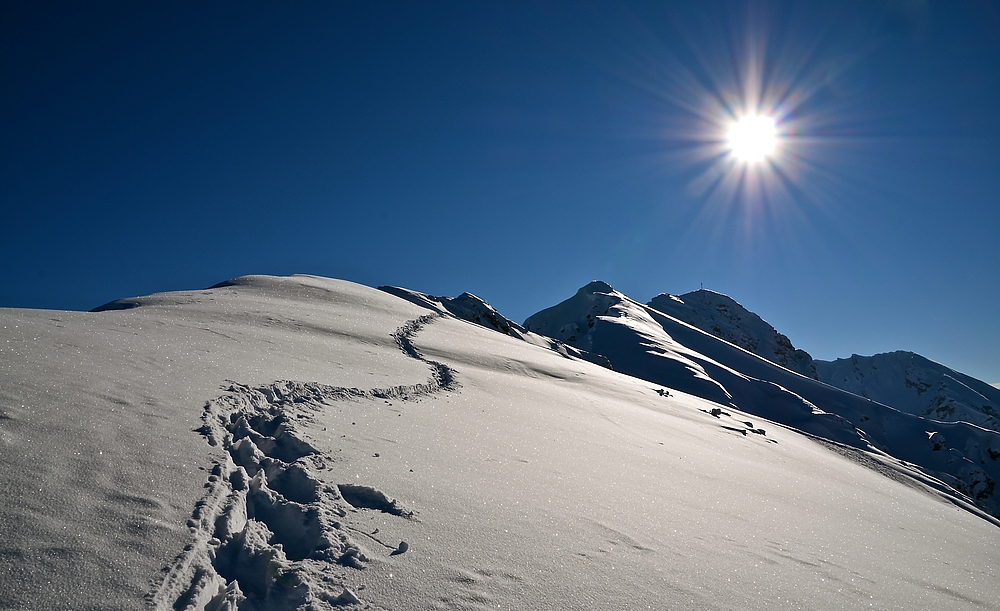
<point>267,534</point>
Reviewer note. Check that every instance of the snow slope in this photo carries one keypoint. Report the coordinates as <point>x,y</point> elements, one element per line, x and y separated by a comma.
<point>651,345</point>
<point>283,443</point>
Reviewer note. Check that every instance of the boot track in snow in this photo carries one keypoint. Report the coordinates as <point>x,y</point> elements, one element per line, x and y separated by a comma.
<point>268,535</point>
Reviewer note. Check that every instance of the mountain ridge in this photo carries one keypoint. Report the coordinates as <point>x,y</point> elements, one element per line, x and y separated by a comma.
<point>912,377</point>
<point>644,342</point>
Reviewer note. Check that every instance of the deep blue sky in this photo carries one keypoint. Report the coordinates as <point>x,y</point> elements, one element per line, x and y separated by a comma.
<point>516,151</point>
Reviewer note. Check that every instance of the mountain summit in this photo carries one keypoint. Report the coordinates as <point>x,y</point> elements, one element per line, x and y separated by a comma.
<point>726,319</point>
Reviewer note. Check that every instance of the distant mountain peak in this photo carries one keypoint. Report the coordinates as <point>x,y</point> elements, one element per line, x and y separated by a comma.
<point>916,385</point>
<point>466,306</point>
<point>727,319</point>
<point>596,286</point>
<point>703,292</point>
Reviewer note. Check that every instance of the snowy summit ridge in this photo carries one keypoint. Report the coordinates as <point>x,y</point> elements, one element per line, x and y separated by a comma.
<point>472,309</point>
<point>906,381</point>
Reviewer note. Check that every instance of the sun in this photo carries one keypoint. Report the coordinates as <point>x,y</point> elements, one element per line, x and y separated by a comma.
<point>753,138</point>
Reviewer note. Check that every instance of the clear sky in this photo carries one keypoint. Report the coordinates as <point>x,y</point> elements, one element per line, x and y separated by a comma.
<point>517,151</point>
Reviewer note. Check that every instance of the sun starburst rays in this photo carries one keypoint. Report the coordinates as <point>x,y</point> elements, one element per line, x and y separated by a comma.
<point>744,148</point>
<point>706,77</point>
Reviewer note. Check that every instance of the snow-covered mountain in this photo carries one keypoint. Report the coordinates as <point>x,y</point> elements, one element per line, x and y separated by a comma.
<point>916,385</point>
<point>724,318</point>
<point>649,344</point>
<point>311,444</point>
<point>903,380</point>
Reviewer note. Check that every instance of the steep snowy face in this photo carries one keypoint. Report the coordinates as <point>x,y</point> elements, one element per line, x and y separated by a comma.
<point>573,320</point>
<point>726,319</point>
<point>916,385</point>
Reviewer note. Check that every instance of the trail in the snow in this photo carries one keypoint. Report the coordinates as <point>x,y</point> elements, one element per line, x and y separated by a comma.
<point>268,534</point>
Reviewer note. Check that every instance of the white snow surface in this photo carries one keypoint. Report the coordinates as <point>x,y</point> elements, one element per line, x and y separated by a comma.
<point>473,309</point>
<point>306,443</point>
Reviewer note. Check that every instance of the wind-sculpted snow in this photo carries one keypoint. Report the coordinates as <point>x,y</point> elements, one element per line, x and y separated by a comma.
<point>651,345</point>
<point>269,533</point>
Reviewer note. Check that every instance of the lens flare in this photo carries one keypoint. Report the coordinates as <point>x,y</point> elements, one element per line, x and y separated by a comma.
<point>749,125</point>
<point>753,138</point>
